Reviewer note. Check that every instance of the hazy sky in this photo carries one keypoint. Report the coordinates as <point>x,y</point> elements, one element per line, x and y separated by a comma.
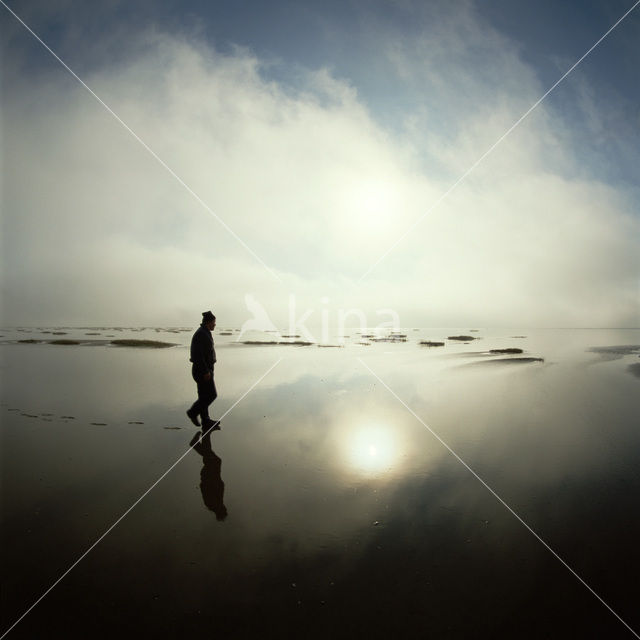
<point>321,134</point>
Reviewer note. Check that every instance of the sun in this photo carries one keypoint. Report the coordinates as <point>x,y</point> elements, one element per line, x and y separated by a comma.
<point>370,205</point>
<point>371,449</point>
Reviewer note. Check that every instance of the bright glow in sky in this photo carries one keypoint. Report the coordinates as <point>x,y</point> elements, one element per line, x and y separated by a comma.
<point>320,141</point>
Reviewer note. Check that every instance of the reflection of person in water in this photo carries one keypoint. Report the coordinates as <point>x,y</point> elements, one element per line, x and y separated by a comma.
<point>211,483</point>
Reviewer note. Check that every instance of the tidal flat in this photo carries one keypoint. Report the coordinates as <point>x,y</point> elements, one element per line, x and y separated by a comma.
<point>368,491</point>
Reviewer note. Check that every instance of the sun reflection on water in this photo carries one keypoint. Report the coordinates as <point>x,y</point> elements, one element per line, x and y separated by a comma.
<point>372,448</point>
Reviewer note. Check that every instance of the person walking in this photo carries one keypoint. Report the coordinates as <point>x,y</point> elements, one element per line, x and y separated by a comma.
<point>203,359</point>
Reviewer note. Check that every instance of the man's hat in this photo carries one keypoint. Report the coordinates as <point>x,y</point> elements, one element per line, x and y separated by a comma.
<point>207,316</point>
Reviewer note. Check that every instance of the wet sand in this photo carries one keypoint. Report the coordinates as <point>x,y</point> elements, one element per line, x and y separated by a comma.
<point>344,515</point>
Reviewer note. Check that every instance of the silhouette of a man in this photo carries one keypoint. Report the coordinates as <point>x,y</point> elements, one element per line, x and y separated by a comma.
<point>211,484</point>
<point>203,358</point>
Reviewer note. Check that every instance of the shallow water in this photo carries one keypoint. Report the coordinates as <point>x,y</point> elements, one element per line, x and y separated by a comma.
<point>352,481</point>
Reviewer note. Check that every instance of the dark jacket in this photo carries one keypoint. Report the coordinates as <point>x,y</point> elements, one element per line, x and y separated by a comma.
<point>203,354</point>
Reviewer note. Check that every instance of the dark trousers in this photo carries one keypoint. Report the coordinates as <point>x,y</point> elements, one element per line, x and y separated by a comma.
<point>206,395</point>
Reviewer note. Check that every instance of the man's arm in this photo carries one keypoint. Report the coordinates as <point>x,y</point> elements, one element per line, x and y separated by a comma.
<point>198,347</point>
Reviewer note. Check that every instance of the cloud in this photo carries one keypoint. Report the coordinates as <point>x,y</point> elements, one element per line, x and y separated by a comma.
<point>96,229</point>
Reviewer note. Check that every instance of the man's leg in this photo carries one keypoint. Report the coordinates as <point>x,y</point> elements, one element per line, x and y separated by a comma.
<point>196,407</point>
<point>206,395</point>
<point>194,412</point>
